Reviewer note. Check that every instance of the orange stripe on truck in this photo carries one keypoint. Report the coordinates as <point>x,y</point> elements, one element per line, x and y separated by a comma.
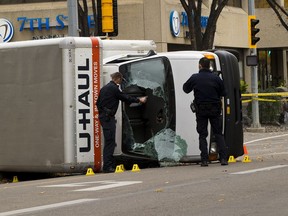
<point>96,89</point>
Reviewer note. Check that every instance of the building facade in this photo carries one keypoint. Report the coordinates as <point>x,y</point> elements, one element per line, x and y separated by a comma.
<point>153,20</point>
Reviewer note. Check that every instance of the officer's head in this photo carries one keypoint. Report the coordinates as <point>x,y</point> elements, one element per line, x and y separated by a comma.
<point>204,63</point>
<point>117,77</point>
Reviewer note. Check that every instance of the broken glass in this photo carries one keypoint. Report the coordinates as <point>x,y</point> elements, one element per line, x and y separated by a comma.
<point>149,129</point>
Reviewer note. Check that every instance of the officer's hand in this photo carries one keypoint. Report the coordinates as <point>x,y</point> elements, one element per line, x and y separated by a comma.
<point>143,99</point>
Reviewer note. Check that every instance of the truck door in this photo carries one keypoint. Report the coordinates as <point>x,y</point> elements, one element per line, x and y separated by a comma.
<point>143,125</point>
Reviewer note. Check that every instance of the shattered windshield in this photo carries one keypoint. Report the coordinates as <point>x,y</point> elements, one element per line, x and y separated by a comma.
<point>149,129</point>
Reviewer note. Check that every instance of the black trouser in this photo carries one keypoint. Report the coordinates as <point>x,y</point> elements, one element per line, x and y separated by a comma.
<point>109,129</point>
<point>210,112</point>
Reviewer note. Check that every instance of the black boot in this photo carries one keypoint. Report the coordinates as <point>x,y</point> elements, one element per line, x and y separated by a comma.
<point>204,163</point>
<point>223,162</point>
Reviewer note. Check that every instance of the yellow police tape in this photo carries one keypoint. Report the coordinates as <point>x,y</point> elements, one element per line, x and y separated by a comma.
<point>256,95</point>
<point>283,94</point>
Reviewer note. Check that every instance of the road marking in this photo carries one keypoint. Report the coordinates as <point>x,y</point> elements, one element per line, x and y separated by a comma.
<point>266,138</point>
<point>261,169</point>
<point>103,185</point>
<point>270,144</point>
<point>45,207</point>
<point>275,153</point>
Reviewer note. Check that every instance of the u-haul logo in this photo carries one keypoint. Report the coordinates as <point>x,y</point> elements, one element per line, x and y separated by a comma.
<point>84,106</point>
<point>88,131</point>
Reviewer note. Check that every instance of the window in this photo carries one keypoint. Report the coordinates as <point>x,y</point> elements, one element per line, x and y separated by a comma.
<point>261,4</point>
<point>235,3</point>
<point>150,127</point>
<point>264,4</point>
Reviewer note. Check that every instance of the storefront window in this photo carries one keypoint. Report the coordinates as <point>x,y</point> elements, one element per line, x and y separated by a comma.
<point>264,69</point>
<point>269,68</point>
<point>261,4</point>
<point>235,3</point>
<point>264,4</point>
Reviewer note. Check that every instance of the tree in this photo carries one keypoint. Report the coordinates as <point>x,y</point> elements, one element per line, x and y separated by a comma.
<point>193,8</point>
<point>82,18</point>
<point>280,12</point>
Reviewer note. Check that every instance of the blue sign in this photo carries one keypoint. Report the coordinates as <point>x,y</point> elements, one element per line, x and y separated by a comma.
<point>175,23</point>
<point>45,23</point>
<point>184,20</point>
<point>41,23</point>
<point>6,30</point>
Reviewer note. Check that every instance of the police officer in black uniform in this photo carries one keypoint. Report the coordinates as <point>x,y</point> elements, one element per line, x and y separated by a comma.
<point>107,104</point>
<point>208,90</point>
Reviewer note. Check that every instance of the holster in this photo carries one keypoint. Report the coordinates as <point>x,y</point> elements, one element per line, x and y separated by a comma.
<point>193,107</point>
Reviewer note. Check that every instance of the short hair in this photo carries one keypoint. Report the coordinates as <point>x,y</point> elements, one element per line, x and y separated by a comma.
<point>116,75</point>
<point>204,62</point>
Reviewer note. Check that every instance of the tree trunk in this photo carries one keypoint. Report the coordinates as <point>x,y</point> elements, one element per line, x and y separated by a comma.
<point>95,18</point>
<point>83,21</point>
<point>199,40</point>
<point>278,9</point>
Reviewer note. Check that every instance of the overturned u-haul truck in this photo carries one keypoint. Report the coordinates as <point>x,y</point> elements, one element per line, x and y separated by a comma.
<point>49,120</point>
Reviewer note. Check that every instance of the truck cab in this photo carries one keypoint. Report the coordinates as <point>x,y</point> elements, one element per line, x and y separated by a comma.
<point>164,129</point>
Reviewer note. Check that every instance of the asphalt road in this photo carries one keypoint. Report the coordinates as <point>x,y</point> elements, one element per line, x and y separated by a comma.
<point>254,188</point>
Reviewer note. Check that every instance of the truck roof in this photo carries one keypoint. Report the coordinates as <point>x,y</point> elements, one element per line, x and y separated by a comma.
<point>187,54</point>
<point>72,42</point>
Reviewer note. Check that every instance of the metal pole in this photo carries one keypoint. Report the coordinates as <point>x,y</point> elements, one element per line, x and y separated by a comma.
<point>254,78</point>
<point>73,29</point>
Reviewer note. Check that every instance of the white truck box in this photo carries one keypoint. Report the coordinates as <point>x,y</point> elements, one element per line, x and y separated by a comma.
<point>48,92</point>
